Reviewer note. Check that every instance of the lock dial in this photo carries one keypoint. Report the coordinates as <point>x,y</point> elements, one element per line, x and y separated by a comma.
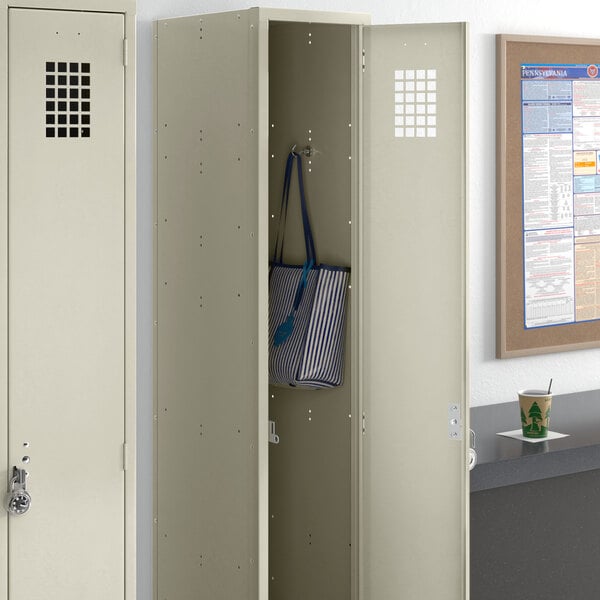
<point>18,500</point>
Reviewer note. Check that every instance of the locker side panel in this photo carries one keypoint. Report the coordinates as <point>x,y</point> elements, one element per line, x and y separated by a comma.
<point>207,333</point>
<point>414,314</point>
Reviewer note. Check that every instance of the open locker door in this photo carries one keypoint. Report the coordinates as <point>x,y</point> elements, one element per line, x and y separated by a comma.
<point>415,386</point>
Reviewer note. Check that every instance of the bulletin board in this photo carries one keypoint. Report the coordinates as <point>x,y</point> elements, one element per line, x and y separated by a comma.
<point>548,195</point>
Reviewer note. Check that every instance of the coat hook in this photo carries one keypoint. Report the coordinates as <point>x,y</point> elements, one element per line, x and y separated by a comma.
<point>308,151</point>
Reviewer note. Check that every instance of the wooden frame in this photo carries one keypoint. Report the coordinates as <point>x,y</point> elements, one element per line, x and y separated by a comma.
<point>512,337</point>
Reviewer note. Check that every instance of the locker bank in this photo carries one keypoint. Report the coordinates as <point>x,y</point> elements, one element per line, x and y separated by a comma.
<point>350,502</point>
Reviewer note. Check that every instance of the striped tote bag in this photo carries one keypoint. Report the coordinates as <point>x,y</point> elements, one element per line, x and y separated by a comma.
<point>307,308</point>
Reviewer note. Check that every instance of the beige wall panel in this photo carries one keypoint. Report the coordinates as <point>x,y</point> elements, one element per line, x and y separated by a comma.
<point>66,313</point>
<point>414,326</point>
<point>207,288</point>
<point>310,469</point>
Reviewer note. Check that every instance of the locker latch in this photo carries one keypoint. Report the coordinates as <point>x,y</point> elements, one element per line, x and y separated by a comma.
<point>273,437</point>
<point>472,452</point>
<point>18,500</point>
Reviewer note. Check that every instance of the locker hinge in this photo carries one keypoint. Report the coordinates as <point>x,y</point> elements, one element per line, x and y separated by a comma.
<point>125,457</point>
<point>125,52</point>
<point>364,60</point>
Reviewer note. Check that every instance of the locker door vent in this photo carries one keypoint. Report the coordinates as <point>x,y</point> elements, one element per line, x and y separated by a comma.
<point>67,99</point>
<point>415,96</point>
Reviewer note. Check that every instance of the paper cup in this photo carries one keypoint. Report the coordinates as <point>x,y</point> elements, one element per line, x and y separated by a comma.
<point>535,412</point>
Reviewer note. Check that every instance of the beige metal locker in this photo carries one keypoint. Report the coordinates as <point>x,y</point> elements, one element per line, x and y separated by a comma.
<point>67,301</point>
<point>365,497</point>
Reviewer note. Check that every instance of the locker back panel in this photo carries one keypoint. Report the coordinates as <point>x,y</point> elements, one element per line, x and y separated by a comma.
<point>206,308</point>
<point>310,469</point>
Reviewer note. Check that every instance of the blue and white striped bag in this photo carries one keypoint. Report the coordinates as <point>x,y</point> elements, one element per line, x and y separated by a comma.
<point>307,308</point>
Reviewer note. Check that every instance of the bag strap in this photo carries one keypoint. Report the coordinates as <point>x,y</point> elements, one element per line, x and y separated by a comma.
<point>285,197</point>
<point>309,243</point>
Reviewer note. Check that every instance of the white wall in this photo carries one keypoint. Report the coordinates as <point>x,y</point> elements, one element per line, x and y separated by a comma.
<point>491,380</point>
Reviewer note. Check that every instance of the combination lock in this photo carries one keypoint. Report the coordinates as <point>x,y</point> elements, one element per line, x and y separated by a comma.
<point>18,500</point>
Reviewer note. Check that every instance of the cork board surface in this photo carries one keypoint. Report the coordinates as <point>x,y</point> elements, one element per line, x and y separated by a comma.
<point>512,338</point>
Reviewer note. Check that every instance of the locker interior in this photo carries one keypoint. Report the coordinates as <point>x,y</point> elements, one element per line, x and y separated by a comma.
<point>209,290</point>
<point>310,470</point>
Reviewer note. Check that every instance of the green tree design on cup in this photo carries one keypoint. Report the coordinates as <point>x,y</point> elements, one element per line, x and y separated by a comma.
<point>535,412</point>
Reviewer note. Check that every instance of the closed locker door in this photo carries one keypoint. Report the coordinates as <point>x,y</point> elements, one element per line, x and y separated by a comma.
<point>415,384</point>
<point>66,303</point>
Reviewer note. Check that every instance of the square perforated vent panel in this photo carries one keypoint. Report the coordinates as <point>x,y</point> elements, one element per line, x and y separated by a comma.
<point>416,103</point>
<point>67,100</point>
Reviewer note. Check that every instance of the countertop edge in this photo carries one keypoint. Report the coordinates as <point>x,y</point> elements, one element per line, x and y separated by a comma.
<point>525,469</point>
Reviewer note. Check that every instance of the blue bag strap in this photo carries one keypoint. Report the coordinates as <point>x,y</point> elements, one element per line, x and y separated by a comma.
<point>308,236</point>
<point>285,198</point>
<point>286,328</point>
<point>308,265</point>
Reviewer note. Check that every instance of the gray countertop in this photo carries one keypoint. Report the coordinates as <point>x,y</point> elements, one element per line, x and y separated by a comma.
<point>505,461</point>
